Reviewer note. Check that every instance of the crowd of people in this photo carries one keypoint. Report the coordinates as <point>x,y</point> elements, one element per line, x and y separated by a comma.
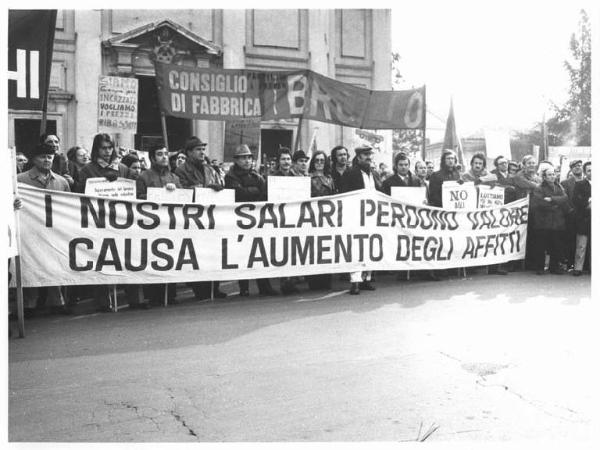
<point>559,226</point>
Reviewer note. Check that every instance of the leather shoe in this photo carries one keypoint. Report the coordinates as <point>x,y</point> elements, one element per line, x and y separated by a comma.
<point>577,273</point>
<point>539,272</point>
<point>500,272</point>
<point>366,286</point>
<point>558,271</point>
<point>244,293</point>
<point>354,289</point>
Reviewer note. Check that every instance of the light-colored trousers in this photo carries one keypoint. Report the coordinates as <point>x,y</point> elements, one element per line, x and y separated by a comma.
<point>580,249</point>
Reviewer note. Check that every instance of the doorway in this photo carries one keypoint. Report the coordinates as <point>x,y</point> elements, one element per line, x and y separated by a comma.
<point>149,132</point>
<point>272,140</point>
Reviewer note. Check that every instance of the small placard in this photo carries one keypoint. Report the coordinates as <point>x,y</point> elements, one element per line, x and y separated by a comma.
<point>459,196</point>
<point>410,194</point>
<point>288,189</point>
<point>490,197</point>
<point>101,187</point>
<point>162,195</point>
<point>208,196</point>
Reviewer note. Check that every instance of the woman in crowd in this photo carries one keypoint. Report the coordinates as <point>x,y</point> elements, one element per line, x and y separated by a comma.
<point>321,184</point>
<point>549,204</point>
<point>78,157</point>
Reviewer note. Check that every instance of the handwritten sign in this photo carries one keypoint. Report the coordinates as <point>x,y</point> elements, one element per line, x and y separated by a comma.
<point>101,187</point>
<point>207,196</point>
<point>117,104</point>
<point>459,196</point>
<point>410,194</point>
<point>162,195</point>
<point>490,197</point>
<point>288,189</point>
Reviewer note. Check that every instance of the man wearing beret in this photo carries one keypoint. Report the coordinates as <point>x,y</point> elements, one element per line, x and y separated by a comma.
<point>41,176</point>
<point>249,187</point>
<point>361,176</point>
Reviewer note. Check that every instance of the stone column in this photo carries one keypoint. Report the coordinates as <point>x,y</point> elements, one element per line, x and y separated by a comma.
<point>88,67</point>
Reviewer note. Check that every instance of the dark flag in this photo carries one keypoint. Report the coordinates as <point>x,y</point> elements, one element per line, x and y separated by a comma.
<point>451,139</point>
<point>30,43</point>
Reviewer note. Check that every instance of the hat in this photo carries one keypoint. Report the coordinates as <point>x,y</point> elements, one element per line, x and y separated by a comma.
<point>242,150</point>
<point>574,162</point>
<point>299,154</point>
<point>193,142</point>
<point>43,149</point>
<point>362,149</point>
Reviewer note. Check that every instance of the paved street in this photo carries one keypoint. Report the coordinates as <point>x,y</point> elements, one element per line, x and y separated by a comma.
<point>484,358</point>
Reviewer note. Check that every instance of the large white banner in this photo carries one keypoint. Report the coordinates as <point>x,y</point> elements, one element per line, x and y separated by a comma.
<point>70,238</point>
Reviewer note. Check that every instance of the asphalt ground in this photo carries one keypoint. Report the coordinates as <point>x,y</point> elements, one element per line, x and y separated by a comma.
<point>483,358</point>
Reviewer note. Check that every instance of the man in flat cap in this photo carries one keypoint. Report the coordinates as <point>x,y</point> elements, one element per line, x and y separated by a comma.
<point>361,176</point>
<point>41,176</point>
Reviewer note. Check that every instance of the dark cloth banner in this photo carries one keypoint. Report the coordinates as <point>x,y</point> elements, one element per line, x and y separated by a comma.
<point>227,94</point>
<point>30,43</point>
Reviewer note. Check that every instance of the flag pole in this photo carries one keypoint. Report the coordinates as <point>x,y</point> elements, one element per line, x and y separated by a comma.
<point>424,149</point>
<point>49,69</point>
<point>163,124</point>
<point>298,131</point>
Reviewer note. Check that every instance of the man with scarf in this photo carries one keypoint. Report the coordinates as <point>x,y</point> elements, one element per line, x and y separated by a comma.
<point>361,177</point>
<point>249,187</point>
<point>197,172</point>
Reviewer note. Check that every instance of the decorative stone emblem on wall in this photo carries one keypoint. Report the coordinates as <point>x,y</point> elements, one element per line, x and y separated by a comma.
<point>164,50</point>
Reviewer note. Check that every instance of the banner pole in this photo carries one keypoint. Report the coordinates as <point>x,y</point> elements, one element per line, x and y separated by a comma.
<point>18,280</point>
<point>114,297</point>
<point>212,291</point>
<point>163,123</point>
<point>298,131</point>
<point>166,295</point>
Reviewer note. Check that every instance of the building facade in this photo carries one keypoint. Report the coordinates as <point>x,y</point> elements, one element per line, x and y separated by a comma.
<point>353,46</point>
